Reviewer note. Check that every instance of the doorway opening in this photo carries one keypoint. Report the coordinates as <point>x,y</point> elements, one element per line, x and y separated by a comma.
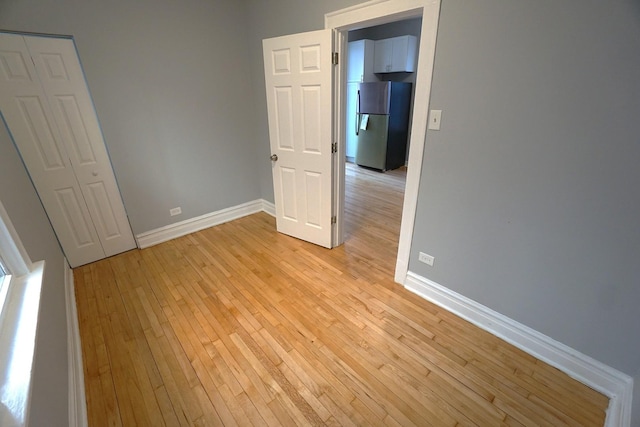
<point>374,196</point>
<point>374,13</point>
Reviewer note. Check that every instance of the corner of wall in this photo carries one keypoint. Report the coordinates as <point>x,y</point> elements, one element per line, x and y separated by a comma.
<point>77,400</point>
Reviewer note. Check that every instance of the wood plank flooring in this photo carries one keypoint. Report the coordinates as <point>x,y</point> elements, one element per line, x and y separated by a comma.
<point>240,325</point>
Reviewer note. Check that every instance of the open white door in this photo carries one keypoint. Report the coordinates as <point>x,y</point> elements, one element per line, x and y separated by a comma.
<point>47,107</point>
<point>298,74</point>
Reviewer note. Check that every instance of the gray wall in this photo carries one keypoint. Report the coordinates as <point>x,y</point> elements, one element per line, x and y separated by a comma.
<point>531,185</point>
<point>171,85</point>
<point>529,193</point>
<point>49,399</point>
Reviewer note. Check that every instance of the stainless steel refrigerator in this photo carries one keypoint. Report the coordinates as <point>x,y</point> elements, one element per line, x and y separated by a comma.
<point>382,110</point>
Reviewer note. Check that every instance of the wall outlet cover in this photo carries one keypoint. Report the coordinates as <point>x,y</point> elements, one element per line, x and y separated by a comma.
<point>426,258</point>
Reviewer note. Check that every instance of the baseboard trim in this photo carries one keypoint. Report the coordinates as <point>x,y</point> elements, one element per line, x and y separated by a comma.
<point>611,382</point>
<point>269,208</point>
<point>77,400</point>
<point>192,225</point>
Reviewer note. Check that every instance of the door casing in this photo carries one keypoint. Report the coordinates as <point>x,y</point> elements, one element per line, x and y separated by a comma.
<point>377,12</point>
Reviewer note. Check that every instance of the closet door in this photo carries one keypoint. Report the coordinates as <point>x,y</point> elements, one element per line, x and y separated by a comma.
<point>58,68</point>
<point>46,105</point>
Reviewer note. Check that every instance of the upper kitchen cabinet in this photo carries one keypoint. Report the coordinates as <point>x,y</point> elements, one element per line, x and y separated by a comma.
<point>395,55</point>
<point>360,61</point>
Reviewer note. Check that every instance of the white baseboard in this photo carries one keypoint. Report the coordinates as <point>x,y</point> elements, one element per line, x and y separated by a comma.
<point>192,225</point>
<point>612,383</point>
<point>77,401</point>
<point>269,208</point>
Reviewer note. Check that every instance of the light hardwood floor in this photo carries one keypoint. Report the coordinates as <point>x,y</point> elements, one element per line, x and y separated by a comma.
<point>239,325</point>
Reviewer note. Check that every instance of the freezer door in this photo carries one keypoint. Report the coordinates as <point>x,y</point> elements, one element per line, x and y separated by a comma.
<point>374,97</point>
<point>372,142</point>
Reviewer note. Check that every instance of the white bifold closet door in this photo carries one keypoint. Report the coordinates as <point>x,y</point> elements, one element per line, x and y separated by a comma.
<point>46,105</point>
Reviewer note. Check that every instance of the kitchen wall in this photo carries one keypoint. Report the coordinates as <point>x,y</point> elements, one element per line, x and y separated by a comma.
<point>393,29</point>
<point>172,89</point>
<point>49,395</point>
<point>529,193</point>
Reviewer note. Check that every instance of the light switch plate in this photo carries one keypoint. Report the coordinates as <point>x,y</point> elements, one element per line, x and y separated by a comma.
<point>434,119</point>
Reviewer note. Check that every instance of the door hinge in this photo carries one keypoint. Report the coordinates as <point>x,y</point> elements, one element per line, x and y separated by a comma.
<point>334,147</point>
<point>334,58</point>
<point>334,219</point>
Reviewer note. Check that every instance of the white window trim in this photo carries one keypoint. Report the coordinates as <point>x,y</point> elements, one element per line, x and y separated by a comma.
<point>4,289</point>
<point>19,307</point>
<point>14,256</point>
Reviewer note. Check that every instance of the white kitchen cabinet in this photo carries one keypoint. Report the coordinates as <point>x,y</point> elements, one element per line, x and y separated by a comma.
<point>360,61</point>
<point>394,55</point>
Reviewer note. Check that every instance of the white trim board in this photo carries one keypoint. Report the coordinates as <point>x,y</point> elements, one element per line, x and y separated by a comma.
<point>77,400</point>
<point>612,383</point>
<point>198,223</point>
<point>269,208</point>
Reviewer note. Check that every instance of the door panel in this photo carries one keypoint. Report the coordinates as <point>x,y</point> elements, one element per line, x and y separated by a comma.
<point>284,118</point>
<point>313,185</point>
<point>70,204</point>
<point>78,137</point>
<point>298,75</point>
<point>311,116</point>
<point>32,112</point>
<point>288,186</point>
<point>99,201</point>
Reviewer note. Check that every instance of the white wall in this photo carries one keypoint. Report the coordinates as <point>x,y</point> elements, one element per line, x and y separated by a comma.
<point>49,396</point>
<point>171,85</point>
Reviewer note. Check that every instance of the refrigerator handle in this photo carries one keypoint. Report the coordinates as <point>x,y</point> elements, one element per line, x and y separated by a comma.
<point>358,116</point>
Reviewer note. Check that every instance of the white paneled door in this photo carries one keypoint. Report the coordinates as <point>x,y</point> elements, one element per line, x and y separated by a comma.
<point>298,76</point>
<point>46,104</point>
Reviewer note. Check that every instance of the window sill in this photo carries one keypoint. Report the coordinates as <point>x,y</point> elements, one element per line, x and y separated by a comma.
<point>18,325</point>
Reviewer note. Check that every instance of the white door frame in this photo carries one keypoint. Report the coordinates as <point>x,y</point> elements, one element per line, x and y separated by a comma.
<point>376,12</point>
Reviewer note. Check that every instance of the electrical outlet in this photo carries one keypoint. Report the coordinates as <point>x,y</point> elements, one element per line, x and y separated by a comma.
<point>426,258</point>
<point>175,211</point>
